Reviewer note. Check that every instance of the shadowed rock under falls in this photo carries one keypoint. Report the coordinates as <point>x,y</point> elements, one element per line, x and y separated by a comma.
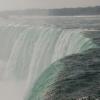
<point>71,78</point>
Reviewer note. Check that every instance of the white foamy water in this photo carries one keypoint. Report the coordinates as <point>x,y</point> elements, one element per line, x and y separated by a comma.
<point>11,90</point>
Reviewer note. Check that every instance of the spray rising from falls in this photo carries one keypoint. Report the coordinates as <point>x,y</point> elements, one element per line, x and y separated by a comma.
<point>38,47</point>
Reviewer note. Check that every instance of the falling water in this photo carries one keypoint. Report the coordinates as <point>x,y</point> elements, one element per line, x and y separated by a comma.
<point>38,47</point>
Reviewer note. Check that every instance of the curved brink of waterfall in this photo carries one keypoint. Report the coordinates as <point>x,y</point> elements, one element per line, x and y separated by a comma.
<point>37,47</point>
<point>70,78</point>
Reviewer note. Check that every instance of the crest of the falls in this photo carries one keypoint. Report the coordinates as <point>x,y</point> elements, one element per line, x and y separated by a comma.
<point>38,47</point>
<point>72,77</point>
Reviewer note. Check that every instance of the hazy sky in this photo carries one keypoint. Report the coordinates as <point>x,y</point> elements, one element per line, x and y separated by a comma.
<point>23,4</point>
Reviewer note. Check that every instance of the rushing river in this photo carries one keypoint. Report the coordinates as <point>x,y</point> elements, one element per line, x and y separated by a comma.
<point>29,46</point>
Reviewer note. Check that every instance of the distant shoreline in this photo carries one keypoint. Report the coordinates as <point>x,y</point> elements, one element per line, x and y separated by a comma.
<point>87,11</point>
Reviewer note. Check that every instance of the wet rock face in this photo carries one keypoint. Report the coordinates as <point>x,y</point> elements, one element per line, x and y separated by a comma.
<point>79,79</point>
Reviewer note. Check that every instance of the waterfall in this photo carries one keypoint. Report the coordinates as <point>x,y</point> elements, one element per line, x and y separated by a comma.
<point>53,45</point>
<point>38,47</point>
<point>21,54</point>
